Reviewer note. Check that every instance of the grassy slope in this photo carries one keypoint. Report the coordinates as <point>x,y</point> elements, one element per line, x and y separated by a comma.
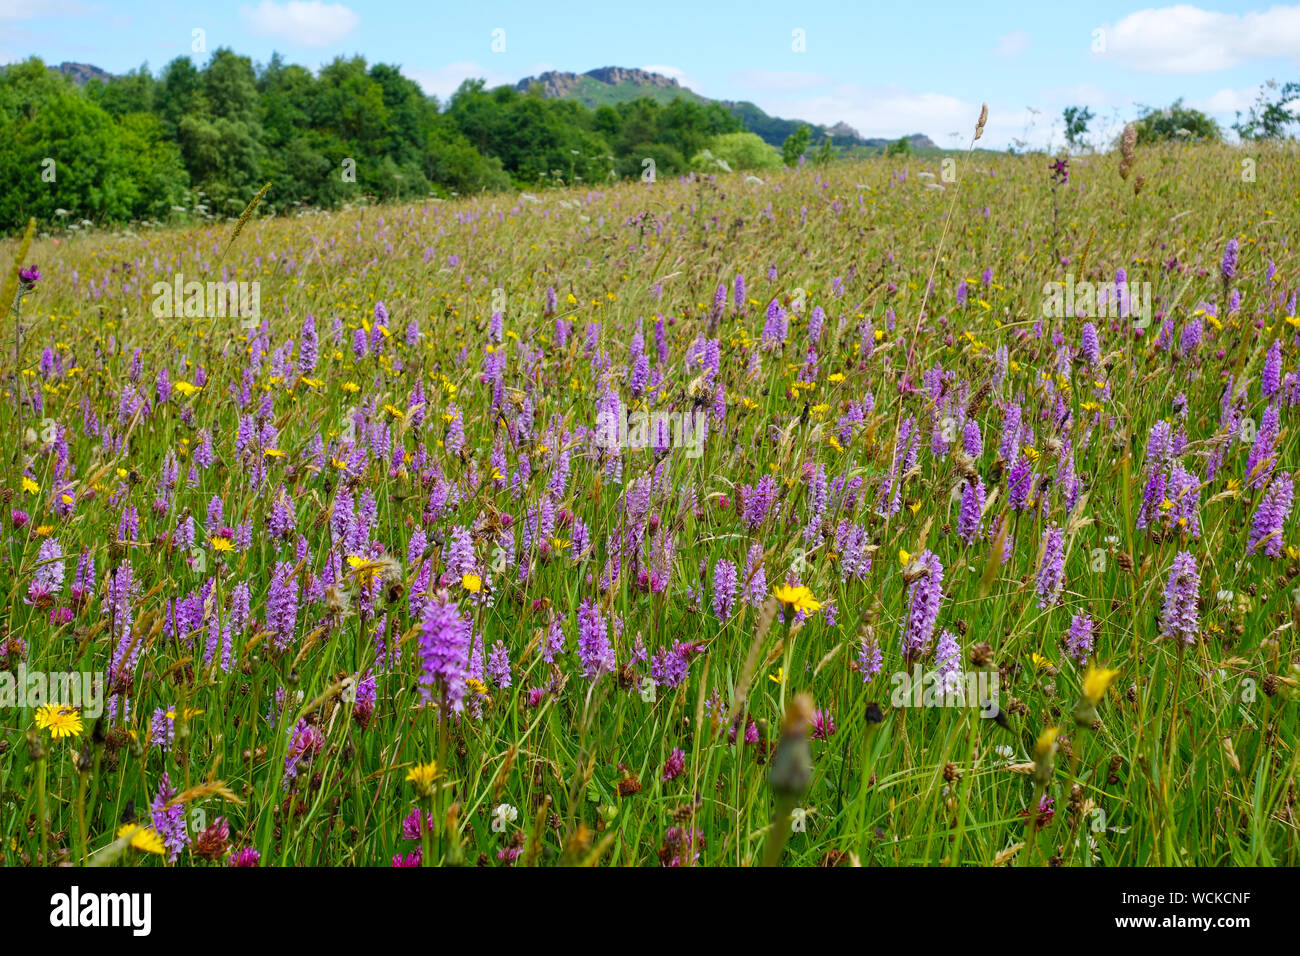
<point>1188,765</point>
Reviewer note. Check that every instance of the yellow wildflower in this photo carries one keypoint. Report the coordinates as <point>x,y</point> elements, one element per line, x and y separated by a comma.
<point>800,598</point>
<point>423,775</point>
<point>59,721</point>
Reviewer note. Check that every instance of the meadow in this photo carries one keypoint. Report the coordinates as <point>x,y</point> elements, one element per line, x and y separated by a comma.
<point>423,564</point>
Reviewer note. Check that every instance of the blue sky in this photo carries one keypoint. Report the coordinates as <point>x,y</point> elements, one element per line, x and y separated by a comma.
<point>884,68</point>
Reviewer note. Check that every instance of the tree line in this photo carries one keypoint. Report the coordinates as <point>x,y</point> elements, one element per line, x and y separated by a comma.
<point>191,139</point>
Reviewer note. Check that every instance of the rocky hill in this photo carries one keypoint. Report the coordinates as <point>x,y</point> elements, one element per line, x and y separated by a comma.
<point>82,73</point>
<point>611,85</point>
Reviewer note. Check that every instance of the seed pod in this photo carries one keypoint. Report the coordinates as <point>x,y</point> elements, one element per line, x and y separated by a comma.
<point>1127,150</point>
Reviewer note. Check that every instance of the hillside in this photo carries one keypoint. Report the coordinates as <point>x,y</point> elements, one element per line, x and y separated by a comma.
<point>82,72</point>
<point>611,85</point>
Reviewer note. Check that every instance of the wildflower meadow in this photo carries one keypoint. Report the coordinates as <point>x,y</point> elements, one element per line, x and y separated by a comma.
<point>800,519</point>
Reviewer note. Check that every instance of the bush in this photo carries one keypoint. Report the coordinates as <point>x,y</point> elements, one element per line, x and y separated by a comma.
<point>743,151</point>
<point>1176,122</point>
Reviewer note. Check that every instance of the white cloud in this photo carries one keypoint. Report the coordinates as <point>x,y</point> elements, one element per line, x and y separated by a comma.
<point>779,81</point>
<point>891,111</point>
<point>14,10</point>
<point>1082,94</point>
<point>1187,39</point>
<point>1012,44</point>
<point>1227,102</point>
<point>304,23</point>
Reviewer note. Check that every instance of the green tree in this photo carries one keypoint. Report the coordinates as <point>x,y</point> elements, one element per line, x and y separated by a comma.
<point>152,162</point>
<point>299,158</point>
<point>607,123</point>
<point>132,93</point>
<point>535,139</point>
<point>1175,122</point>
<point>455,165</point>
<point>825,153</point>
<point>640,124</point>
<point>1272,112</point>
<point>899,147</point>
<point>688,127</point>
<point>1076,119</point>
<point>59,150</point>
<point>667,160</point>
<point>179,92</point>
<point>796,144</point>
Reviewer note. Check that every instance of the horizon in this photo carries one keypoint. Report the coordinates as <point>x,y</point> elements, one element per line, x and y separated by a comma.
<point>1030,64</point>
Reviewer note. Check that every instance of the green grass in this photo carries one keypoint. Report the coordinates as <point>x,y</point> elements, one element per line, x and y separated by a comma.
<point>1193,760</point>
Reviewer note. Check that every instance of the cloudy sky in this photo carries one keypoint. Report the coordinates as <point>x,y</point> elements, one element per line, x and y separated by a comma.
<point>884,68</point>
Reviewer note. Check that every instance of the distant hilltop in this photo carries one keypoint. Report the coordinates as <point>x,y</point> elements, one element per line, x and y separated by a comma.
<point>79,73</point>
<point>82,73</point>
<point>558,85</point>
<point>611,85</point>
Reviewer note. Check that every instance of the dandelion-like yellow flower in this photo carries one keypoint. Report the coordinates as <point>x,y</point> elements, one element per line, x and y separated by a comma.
<point>363,568</point>
<point>1096,682</point>
<point>144,839</point>
<point>423,775</point>
<point>472,583</point>
<point>800,598</point>
<point>59,721</point>
<point>221,544</point>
